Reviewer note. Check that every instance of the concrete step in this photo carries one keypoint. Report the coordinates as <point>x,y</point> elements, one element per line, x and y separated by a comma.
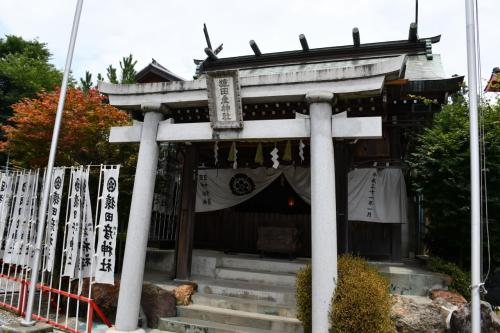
<point>155,330</point>
<point>266,277</point>
<point>248,305</point>
<point>189,325</point>
<point>247,290</point>
<point>413,280</point>
<point>240,318</point>
<point>263,264</point>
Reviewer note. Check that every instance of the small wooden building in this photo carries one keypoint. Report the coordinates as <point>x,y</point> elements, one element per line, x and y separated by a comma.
<point>253,140</point>
<point>406,104</point>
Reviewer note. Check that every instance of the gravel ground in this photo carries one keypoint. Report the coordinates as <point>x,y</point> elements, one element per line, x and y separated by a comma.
<point>7,317</point>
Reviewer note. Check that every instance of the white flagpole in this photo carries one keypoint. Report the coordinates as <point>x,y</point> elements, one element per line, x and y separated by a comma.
<point>474,168</point>
<point>28,321</point>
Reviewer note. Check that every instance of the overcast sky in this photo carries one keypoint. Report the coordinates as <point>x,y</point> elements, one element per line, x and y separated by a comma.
<point>171,31</point>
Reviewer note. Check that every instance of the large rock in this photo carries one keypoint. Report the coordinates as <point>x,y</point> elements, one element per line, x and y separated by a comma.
<point>183,293</point>
<point>410,316</point>
<point>448,296</point>
<point>461,319</point>
<point>104,295</point>
<point>157,303</point>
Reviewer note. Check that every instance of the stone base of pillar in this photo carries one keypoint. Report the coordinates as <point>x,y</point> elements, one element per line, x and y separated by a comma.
<point>38,327</point>
<point>114,330</point>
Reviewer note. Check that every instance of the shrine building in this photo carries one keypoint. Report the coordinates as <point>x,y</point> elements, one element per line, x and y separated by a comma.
<point>295,154</point>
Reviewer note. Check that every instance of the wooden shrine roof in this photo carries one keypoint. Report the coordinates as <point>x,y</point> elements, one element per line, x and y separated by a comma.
<point>155,72</point>
<point>368,50</point>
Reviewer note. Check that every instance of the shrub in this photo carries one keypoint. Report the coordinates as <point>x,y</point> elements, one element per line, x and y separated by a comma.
<point>440,169</point>
<point>460,280</point>
<point>303,297</point>
<point>362,300</point>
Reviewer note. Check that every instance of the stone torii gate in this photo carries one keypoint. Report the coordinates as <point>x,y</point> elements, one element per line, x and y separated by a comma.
<point>320,85</point>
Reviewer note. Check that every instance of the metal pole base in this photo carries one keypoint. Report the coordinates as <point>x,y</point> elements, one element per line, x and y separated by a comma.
<point>114,330</point>
<point>23,327</point>
<point>26,323</point>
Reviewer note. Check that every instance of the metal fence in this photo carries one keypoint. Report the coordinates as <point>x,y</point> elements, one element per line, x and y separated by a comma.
<point>166,201</point>
<point>63,299</point>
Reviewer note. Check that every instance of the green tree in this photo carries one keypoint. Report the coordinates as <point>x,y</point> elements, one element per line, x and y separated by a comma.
<point>441,171</point>
<point>128,72</point>
<point>86,83</point>
<point>111,74</point>
<point>24,71</point>
<point>127,66</point>
<point>17,45</point>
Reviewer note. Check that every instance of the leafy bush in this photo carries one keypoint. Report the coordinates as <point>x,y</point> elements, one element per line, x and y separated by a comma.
<point>460,280</point>
<point>362,300</point>
<point>303,297</point>
<point>440,170</point>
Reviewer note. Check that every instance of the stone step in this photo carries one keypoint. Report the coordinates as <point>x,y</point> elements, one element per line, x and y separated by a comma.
<point>247,290</point>
<point>251,275</point>
<point>189,325</point>
<point>240,318</point>
<point>263,264</point>
<point>155,330</point>
<point>412,280</point>
<point>248,305</point>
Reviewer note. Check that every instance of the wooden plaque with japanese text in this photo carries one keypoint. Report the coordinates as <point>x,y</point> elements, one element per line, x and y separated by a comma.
<point>224,100</point>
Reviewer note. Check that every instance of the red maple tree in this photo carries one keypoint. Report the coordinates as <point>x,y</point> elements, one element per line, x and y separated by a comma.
<point>84,130</point>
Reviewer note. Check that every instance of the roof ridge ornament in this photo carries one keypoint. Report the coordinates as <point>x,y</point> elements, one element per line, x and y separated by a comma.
<point>355,37</point>
<point>413,33</point>
<point>211,53</point>
<point>255,48</point>
<point>303,42</point>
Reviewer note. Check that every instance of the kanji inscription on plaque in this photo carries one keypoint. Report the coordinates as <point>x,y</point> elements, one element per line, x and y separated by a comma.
<point>224,100</point>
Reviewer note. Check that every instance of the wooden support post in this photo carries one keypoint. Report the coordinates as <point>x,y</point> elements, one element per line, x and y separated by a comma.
<point>341,171</point>
<point>185,236</point>
<point>396,242</point>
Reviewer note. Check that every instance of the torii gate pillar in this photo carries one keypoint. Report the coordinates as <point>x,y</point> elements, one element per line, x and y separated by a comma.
<point>129,300</point>
<point>323,209</point>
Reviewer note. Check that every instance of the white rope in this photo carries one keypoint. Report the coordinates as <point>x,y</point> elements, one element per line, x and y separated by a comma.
<point>484,169</point>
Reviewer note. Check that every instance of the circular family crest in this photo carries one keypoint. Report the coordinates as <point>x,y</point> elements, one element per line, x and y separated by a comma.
<point>111,184</point>
<point>241,184</point>
<point>57,183</point>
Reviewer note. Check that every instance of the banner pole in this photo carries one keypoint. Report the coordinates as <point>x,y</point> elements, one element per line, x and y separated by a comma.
<point>28,321</point>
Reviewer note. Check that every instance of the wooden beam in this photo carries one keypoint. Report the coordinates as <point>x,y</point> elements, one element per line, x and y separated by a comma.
<point>342,162</point>
<point>399,82</point>
<point>185,235</point>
